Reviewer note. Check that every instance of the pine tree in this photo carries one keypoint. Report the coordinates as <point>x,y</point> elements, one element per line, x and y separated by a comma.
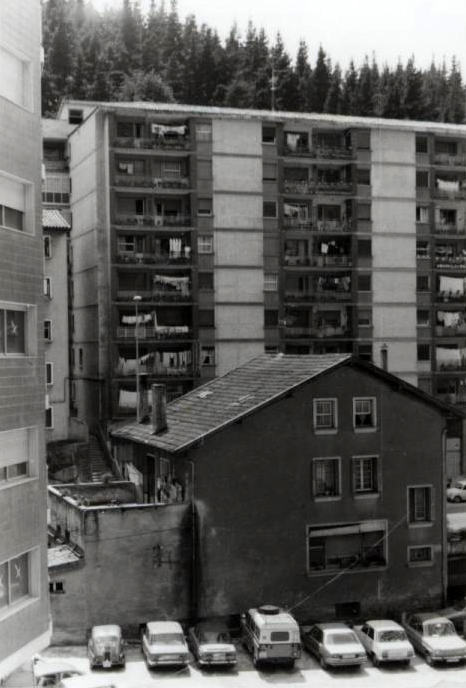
<point>456,96</point>
<point>283,78</point>
<point>303,73</point>
<point>145,86</point>
<point>320,81</point>
<point>349,91</point>
<point>412,96</point>
<point>153,38</point>
<point>333,101</point>
<point>394,101</point>
<point>364,102</point>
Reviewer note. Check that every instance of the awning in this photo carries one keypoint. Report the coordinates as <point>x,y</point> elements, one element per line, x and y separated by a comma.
<point>53,219</point>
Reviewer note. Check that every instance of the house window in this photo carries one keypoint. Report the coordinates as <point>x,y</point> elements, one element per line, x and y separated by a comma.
<point>15,84</point>
<point>364,318</point>
<point>422,283</point>
<point>80,358</point>
<point>49,373</point>
<point>346,546</point>
<point>422,213</point>
<point>172,169</point>
<point>205,243</point>
<point>130,244</point>
<point>420,555</point>
<point>129,129</point>
<point>422,179</point>
<point>48,287</point>
<point>56,588</point>
<point>326,477</point>
<point>204,207</point>
<point>422,144</point>
<point>47,246</point>
<point>48,330</point>
<point>49,418</point>
<point>269,171</point>
<point>363,176</point>
<point>364,211</point>
<point>13,325</point>
<point>19,447</point>
<point>364,248</point>
<point>423,318</point>
<point>15,577</point>
<point>269,209</point>
<point>423,352</point>
<point>365,474</point>
<point>268,135</point>
<point>365,352</point>
<point>270,281</point>
<point>206,318</point>
<point>56,190</point>
<point>422,249</point>
<point>204,131</point>
<point>364,283</point>
<point>325,414</point>
<point>364,413</point>
<point>207,355</point>
<point>75,116</point>
<point>420,504</point>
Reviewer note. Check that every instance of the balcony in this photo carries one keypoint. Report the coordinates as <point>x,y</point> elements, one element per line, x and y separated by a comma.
<point>309,187</point>
<point>183,258</point>
<point>450,262</point>
<point>178,220</point>
<point>299,224</point>
<point>458,330</point>
<point>150,366</point>
<point>155,183</point>
<point>450,228</point>
<point>155,332</point>
<point>319,332</point>
<point>318,261</point>
<point>333,225</point>
<point>175,142</point>
<point>449,160</point>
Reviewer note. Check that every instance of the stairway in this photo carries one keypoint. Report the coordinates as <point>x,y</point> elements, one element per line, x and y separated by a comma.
<point>92,466</point>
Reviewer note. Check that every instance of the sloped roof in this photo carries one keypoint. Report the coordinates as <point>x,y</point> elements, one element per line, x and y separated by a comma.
<point>56,129</point>
<point>53,219</point>
<point>61,555</point>
<point>226,399</point>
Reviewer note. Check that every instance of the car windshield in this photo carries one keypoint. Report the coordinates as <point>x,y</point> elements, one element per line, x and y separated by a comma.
<point>459,486</point>
<point>167,638</point>
<point>440,628</point>
<point>214,637</point>
<point>111,639</point>
<point>341,638</point>
<point>391,636</point>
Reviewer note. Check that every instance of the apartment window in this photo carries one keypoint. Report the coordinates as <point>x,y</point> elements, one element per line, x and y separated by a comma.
<point>207,355</point>
<point>422,249</point>
<point>422,144</point>
<point>130,129</point>
<point>269,209</point>
<point>363,140</point>
<point>364,413</point>
<point>268,135</point>
<point>130,167</point>
<point>364,283</point>
<point>75,116</point>
<point>206,318</point>
<point>363,176</point>
<point>48,287</point>
<point>325,414</point>
<point>13,325</point>
<point>365,474</point>
<point>56,190</point>
<point>205,243</point>
<point>423,352</point>
<point>15,84</point>
<point>204,207</point>
<point>49,418</point>
<point>204,169</point>
<point>422,178</point>
<point>423,318</point>
<point>270,318</point>
<point>172,169</point>
<point>48,330</point>
<point>80,357</point>
<point>47,246</point>
<point>364,211</point>
<point>269,171</point>
<point>422,283</point>
<point>364,248</point>
<point>422,213</point>
<point>204,131</point>
<point>364,318</point>
<point>19,447</point>
<point>350,546</point>
<point>206,281</point>
<point>15,577</point>
<point>49,373</point>
<point>420,555</point>
<point>139,206</point>
<point>56,588</point>
<point>270,281</point>
<point>420,504</point>
<point>326,477</point>
<point>130,244</point>
<point>365,352</point>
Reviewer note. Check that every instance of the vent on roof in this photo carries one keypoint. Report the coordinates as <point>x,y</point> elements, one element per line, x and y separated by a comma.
<point>269,609</point>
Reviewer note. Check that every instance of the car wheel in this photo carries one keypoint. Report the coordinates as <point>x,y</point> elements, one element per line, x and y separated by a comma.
<point>323,663</point>
<point>406,662</point>
<point>457,499</point>
<point>375,660</point>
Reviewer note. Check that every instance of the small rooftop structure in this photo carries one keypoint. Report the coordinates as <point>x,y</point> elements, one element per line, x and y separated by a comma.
<point>112,494</point>
<point>53,219</point>
<point>62,555</point>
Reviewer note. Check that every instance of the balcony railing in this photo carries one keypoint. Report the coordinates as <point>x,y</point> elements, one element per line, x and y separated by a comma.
<point>320,332</point>
<point>179,220</point>
<point>451,366</point>
<point>164,142</point>
<point>450,330</point>
<point>450,160</point>
<point>325,152</point>
<point>158,258</point>
<point>316,187</point>
<point>450,263</point>
<point>318,261</point>
<point>171,296</point>
<point>158,332</point>
<point>450,193</point>
<point>155,369</point>
<point>333,225</point>
<point>450,229</point>
<point>314,295</point>
<point>453,296</point>
<point>144,181</point>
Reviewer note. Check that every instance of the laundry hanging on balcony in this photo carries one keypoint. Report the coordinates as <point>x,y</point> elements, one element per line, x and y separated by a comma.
<point>127,399</point>
<point>173,284</point>
<point>142,318</point>
<point>165,130</point>
<point>452,285</point>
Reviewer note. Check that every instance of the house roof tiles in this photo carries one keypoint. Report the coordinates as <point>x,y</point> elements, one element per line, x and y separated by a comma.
<point>53,219</point>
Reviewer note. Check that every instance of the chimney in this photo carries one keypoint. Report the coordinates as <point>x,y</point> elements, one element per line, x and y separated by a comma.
<point>384,356</point>
<point>159,408</point>
<point>143,397</point>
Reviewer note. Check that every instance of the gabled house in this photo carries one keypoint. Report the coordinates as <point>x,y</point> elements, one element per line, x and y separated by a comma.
<point>317,483</point>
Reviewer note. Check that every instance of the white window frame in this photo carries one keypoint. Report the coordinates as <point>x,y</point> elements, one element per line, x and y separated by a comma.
<point>427,518</point>
<point>34,583</point>
<point>49,327</point>
<point>49,373</point>
<point>326,497</point>
<point>270,281</point>
<point>47,246</point>
<point>19,443</point>
<point>357,470</point>
<point>30,339</point>
<point>325,429</point>
<point>49,410</point>
<point>420,562</point>
<point>48,287</point>
<point>205,244</point>
<point>365,428</point>
<point>203,131</point>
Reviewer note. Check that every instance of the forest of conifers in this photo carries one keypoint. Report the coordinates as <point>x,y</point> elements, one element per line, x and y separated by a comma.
<point>123,54</point>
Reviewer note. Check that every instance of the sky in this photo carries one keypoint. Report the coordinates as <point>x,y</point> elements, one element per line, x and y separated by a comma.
<point>391,29</point>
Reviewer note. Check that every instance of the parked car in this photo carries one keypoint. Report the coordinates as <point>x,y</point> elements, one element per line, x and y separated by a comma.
<point>385,641</point>
<point>89,681</point>
<point>271,635</point>
<point>434,637</point>
<point>164,644</point>
<point>47,672</point>
<point>211,644</point>
<point>457,491</point>
<point>334,644</point>
<point>456,613</point>
<point>106,647</point>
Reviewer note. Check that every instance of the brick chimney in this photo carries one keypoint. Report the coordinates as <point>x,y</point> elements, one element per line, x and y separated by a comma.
<point>159,408</point>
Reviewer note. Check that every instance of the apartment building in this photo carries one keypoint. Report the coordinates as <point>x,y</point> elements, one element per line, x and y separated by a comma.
<point>24,613</point>
<point>243,229</point>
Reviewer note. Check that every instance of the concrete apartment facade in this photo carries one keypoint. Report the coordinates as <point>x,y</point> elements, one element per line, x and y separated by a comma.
<point>247,229</point>
<point>24,611</point>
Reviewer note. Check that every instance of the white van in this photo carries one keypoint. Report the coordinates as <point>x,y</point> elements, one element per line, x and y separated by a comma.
<point>271,634</point>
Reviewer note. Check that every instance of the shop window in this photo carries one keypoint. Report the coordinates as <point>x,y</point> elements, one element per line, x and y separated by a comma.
<point>326,477</point>
<point>268,135</point>
<point>351,546</point>
<point>423,352</point>
<point>422,179</point>
<point>420,555</point>
<point>270,209</point>
<point>364,413</point>
<point>420,504</point>
<point>365,474</point>
<point>325,414</point>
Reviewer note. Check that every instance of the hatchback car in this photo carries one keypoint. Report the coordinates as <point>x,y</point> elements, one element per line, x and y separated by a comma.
<point>164,644</point>
<point>457,491</point>
<point>456,613</point>
<point>385,641</point>
<point>211,644</point>
<point>106,647</point>
<point>47,673</point>
<point>334,644</point>
<point>434,637</point>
